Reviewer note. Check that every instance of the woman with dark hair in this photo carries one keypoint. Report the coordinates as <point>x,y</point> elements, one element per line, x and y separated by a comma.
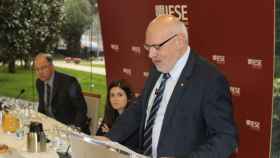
<point>119,97</point>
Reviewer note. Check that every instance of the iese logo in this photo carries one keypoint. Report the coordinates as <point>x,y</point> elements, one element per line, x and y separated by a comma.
<point>127,71</point>
<point>235,91</point>
<point>255,63</point>
<point>255,125</point>
<point>136,50</point>
<point>115,47</point>
<point>219,59</point>
<point>179,11</point>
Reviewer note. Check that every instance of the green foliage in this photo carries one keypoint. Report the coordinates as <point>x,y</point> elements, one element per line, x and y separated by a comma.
<point>277,26</point>
<point>277,66</point>
<point>78,18</point>
<point>28,27</point>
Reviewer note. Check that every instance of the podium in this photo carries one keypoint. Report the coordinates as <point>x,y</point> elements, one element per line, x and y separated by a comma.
<point>88,147</point>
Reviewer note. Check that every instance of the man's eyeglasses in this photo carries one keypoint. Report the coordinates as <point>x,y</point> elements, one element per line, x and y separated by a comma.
<point>158,46</point>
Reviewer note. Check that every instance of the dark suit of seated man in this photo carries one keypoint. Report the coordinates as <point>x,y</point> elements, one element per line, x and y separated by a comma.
<point>185,108</point>
<point>60,95</point>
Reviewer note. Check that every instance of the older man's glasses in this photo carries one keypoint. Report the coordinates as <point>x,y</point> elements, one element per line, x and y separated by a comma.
<point>158,46</point>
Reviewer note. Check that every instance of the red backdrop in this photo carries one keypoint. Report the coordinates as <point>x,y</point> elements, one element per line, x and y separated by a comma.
<point>237,35</point>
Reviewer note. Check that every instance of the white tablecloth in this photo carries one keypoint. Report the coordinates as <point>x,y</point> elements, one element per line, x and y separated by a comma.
<point>18,147</point>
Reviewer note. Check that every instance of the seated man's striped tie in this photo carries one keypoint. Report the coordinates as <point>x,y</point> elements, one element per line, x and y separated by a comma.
<point>147,145</point>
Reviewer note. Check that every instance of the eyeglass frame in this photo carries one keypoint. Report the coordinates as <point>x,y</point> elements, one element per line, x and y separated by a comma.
<point>158,46</point>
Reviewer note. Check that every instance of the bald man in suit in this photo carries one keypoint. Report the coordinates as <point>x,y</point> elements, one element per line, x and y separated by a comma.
<point>194,116</point>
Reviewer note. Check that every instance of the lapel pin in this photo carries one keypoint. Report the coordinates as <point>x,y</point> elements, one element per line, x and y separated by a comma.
<point>182,84</point>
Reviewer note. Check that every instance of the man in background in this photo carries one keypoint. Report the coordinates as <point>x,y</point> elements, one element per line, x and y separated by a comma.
<point>185,109</point>
<point>60,95</point>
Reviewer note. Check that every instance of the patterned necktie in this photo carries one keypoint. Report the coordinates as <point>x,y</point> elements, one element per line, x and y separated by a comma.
<point>48,99</point>
<point>147,145</point>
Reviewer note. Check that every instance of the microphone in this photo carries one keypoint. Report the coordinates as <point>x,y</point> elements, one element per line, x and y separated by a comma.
<point>20,93</point>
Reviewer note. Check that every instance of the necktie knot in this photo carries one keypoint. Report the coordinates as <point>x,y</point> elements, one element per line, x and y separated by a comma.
<point>166,76</point>
<point>47,85</point>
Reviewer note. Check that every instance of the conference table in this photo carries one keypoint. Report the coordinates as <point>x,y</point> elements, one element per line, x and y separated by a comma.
<point>18,146</point>
<point>60,136</point>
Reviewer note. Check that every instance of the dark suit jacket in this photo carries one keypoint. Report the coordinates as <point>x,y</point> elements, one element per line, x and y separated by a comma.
<point>198,122</point>
<point>68,104</point>
<point>131,142</point>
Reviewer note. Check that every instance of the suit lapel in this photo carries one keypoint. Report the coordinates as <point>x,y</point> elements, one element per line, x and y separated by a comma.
<point>41,88</point>
<point>55,87</point>
<point>180,88</point>
<point>41,91</point>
